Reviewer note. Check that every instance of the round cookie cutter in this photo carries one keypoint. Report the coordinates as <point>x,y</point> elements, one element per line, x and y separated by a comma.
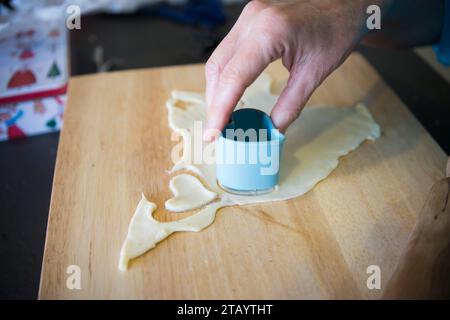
<point>248,153</point>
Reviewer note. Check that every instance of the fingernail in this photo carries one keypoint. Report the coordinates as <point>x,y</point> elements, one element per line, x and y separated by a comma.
<point>206,132</point>
<point>280,122</point>
<point>276,120</point>
<point>210,134</point>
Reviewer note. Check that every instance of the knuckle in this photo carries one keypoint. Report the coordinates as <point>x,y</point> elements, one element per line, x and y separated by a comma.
<point>269,41</point>
<point>231,75</point>
<point>253,7</point>
<point>275,20</point>
<point>212,68</point>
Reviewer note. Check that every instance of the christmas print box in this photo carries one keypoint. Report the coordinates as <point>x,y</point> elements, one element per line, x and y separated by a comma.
<point>33,76</point>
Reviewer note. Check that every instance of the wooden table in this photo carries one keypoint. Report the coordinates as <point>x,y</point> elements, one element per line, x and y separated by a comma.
<point>116,143</point>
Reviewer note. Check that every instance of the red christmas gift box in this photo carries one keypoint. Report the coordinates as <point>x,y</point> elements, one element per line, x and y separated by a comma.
<point>33,75</point>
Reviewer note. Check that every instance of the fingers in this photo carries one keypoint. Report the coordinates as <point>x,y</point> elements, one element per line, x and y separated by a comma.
<point>301,84</point>
<point>220,57</point>
<point>247,63</point>
<point>224,51</point>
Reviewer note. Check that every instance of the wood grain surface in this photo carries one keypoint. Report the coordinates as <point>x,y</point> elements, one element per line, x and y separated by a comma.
<point>116,144</point>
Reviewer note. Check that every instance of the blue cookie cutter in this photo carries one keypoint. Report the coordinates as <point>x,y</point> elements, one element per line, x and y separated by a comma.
<point>248,153</point>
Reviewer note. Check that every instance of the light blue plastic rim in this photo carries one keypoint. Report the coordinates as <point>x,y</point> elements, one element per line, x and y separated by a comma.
<point>280,137</point>
<point>257,192</point>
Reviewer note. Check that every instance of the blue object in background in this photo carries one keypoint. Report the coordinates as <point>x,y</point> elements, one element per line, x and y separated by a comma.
<point>442,49</point>
<point>207,13</point>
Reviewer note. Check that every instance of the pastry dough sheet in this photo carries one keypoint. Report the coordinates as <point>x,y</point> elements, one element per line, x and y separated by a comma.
<point>314,144</point>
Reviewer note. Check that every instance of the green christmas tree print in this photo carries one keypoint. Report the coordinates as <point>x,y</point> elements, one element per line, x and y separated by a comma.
<point>54,71</point>
<point>51,123</point>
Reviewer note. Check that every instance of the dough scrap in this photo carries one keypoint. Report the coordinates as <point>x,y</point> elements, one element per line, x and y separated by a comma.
<point>144,232</point>
<point>314,144</point>
<point>189,193</point>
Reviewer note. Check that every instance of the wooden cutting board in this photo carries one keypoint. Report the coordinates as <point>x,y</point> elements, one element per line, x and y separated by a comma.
<point>116,144</point>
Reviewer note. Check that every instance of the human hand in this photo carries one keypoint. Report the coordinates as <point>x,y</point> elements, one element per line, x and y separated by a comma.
<point>311,37</point>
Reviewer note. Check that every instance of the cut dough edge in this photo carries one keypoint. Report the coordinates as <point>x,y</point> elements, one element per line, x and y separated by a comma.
<point>189,193</point>
<point>144,232</point>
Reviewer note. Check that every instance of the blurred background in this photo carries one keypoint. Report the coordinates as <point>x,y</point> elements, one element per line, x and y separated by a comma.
<point>38,54</point>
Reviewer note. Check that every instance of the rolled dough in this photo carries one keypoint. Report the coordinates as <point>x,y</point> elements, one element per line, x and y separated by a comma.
<point>312,149</point>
